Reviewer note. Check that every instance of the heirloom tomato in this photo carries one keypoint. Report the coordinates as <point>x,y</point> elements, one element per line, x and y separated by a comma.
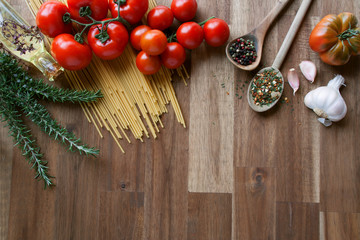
<point>336,38</point>
<point>98,8</point>
<point>132,11</point>
<point>69,53</point>
<point>49,19</point>
<point>112,43</point>
<point>136,35</point>
<point>190,35</point>
<point>148,64</point>
<point>173,56</point>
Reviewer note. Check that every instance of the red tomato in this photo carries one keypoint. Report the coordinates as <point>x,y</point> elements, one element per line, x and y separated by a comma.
<point>160,17</point>
<point>49,19</point>
<point>336,38</point>
<point>114,46</point>
<point>99,9</point>
<point>216,32</point>
<point>184,10</point>
<point>153,42</point>
<point>69,53</point>
<point>132,11</point>
<point>173,56</point>
<point>136,35</point>
<point>190,35</point>
<point>148,64</point>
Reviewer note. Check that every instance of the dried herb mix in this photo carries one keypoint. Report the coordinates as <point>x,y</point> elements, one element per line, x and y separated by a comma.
<point>266,87</point>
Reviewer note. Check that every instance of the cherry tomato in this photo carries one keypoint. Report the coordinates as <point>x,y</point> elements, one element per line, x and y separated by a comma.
<point>184,10</point>
<point>132,11</point>
<point>69,53</point>
<point>190,35</point>
<point>160,17</point>
<point>136,35</point>
<point>148,64</point>
<point>216,32</point>
<point>153,42</point>
<point>114,46</point>
<point>173,56</point>
<point>99,9</point>
<point>49,19</point>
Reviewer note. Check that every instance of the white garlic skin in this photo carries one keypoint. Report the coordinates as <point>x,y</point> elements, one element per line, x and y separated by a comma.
<point>293,80</point>
<point>327,102</point>
<point>308,69</point>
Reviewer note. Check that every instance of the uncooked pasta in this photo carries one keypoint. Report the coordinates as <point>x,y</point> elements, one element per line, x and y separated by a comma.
<point>132,101</point>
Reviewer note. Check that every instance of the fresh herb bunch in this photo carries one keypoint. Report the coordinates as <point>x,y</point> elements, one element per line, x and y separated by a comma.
<point>18,93</point>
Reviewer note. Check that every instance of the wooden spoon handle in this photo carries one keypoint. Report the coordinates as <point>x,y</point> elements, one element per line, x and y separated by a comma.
<point>263,26</point>
<point>291,33</point>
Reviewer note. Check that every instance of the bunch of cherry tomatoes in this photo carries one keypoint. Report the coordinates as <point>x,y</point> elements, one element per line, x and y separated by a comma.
<point>108,37</point>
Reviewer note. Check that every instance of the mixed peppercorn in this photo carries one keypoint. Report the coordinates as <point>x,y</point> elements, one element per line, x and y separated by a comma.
<point>266,87</point>
<point>243,51</point>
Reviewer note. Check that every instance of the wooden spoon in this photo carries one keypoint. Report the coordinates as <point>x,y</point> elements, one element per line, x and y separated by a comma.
<point>281,56</point>
<point>257,35</point>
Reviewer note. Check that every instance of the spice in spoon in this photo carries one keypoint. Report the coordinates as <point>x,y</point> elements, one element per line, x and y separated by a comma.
<point>266,87</point>
<point>243,51</point>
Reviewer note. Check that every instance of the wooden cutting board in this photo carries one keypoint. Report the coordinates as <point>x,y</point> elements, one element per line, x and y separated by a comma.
<point>232,174</point>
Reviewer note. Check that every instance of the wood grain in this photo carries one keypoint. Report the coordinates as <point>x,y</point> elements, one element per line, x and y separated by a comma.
<point>121,215</point>
<point>6,156</point>
<point>211,138</point>
<point>232,174</point>
<point>335,225</point>
<point>297,221</point>
<point>209,216</point>
<point>255,203</point>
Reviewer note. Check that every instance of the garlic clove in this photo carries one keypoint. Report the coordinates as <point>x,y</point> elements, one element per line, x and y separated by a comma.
<point>325,122</point>
<point>293,80</point>
<point>308,69</point>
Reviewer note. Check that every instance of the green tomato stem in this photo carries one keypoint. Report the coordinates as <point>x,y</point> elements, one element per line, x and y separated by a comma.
<point>172,37</point>
<point>78,37</point>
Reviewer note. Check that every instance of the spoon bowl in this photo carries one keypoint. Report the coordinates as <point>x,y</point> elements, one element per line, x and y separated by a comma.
<point>258,48</point>
<point>257,35</point>
<point>250,98</point>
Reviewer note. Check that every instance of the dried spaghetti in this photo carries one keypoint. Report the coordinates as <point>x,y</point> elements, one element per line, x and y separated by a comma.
<point>131,99</point>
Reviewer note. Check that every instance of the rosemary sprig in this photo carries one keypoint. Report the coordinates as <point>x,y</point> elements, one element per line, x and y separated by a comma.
<point>25,142</point>
<point>41,117</point>
<point>18,91</point>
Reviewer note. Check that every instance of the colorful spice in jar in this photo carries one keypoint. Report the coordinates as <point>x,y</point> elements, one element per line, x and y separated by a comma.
<point>243,51</point>
<point>266,87</point>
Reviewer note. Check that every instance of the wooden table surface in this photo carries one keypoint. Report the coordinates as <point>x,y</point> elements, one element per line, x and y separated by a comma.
<point>232,174</point>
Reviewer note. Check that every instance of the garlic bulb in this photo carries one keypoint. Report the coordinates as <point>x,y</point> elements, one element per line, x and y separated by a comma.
<point>327,102</point>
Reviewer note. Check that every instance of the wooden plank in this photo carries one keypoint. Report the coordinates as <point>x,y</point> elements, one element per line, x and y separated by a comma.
<point>297,221</point>
<point>166,177</point>
<point>340,167</point>
<point>335,225</point>
<point>211,115</point>
<point>255,207</point>
<point>121,215</point>
<point>31,212</point>
<point>210,216</point>
<point>122,171</point>
<point>256,133</point>
<point>77,196</point>
<point>298,164</point>
<point>6,156</point>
